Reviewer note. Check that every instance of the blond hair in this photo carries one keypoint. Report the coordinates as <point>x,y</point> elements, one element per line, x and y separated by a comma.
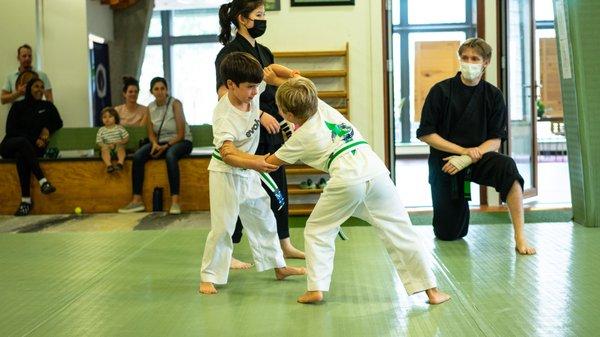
<point>479,45</point>
<point>298,96</point>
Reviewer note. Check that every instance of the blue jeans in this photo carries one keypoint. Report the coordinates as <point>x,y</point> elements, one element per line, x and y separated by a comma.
<point>171,155</point>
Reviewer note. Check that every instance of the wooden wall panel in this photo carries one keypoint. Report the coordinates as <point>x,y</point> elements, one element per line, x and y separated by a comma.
<point>434,61</point>
<point>85,184</point>
<point>549,77</point>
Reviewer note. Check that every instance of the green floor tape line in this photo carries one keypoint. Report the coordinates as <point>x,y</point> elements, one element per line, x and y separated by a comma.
<point>488,218</point>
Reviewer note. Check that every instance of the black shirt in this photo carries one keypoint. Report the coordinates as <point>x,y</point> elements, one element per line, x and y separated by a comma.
<point>466,116</point>
<point>264,56</point>
<point>267,98</point>
<point>28,117</point>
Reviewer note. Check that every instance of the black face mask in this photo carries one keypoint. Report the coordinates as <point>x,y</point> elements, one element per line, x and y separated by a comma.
<point>260,26</point>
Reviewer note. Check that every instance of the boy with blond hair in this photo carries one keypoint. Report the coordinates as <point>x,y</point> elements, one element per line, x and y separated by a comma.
<point>235,174</point>
<point>359,186</point>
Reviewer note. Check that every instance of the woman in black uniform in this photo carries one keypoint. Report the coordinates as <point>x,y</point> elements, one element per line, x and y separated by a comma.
<point>248,17</point>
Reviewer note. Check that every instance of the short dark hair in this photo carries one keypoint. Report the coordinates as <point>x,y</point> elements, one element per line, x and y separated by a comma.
<point>156,80</point>
<point>241,67</point>
<point>26,46</point>
<point>128,80</point>
<point>113,113</point>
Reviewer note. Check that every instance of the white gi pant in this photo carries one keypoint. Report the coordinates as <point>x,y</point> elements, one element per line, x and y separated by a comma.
<point>232,195</point>
<point>376,201</point>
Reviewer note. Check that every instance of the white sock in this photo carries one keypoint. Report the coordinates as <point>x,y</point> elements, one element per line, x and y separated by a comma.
<point>42,181</point>
<point>27,200</point>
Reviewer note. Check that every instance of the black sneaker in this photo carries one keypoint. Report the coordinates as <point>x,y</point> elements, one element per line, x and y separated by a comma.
<point>24,209</point>
<point>119,167</point>
<point>110,169</point>
<point>47,188</point>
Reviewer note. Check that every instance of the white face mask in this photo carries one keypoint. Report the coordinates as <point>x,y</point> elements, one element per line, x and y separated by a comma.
<point>471,71</point>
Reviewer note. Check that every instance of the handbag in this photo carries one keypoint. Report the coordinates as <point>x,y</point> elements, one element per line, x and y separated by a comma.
<point>146,140</point>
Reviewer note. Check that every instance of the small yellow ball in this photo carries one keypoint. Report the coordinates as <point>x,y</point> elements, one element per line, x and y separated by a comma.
<point>78,210</point>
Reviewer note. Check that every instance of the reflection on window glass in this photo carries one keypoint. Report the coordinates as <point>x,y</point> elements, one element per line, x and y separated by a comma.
<point>436,11</point>
<point>194,81</point>
<point>195,22</point>
<point>152,67</point>
<point>435,56</point>
<point>155,29</point>
<point>544,10</point>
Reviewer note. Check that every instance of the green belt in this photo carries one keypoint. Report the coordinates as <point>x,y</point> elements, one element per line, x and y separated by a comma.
<point>265,178</point>
<point>347,147</point>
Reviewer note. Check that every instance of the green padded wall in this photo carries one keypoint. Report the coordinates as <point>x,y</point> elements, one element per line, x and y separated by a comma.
<point>577,27</point>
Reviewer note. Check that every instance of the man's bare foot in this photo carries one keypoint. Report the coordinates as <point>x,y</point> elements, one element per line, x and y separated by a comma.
<point>436,296</point>
<point>281,273</point>
<point>289,251</point>
<point>207,288</point>
<point>237,264</point>
<point>523,248</point>
<point>311,297</point>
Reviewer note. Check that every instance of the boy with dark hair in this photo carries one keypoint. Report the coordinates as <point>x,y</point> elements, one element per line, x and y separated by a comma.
<point>234,178</point>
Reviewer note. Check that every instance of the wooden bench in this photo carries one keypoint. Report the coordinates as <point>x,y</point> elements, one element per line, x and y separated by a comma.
<point>83,181</point>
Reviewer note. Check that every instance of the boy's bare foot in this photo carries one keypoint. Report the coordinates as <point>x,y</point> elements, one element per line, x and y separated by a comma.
<point>207,288</point>
<point>237,264</point>
<point>311,297</point>
<point>281,273</point>
<point>523,248</point>
<point>289,251</point>
<point>436,297</point>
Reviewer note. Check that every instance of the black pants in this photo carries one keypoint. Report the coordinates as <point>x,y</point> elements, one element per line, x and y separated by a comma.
<point>26,155</point>
<point>269,144</point>
<point>450,208</point>
<point>171,155</point>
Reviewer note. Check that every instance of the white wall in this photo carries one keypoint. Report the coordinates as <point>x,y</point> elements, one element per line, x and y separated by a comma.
<point>17,24</point>
<point>329,28</point>
<point>66,59</point>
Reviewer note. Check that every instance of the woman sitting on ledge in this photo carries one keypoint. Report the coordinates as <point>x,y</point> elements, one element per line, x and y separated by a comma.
<point>29,125</point>
<point>170,137</point>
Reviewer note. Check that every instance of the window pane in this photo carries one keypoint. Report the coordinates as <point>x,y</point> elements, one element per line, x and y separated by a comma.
<point>155,29</point>
<point>544,11</point>
<point>194,82</point>
<point>195,22</point>
<point>436,11</point>
<point>152,67</point>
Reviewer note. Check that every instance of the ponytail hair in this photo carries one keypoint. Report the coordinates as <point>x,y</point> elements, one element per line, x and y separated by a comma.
<point>229,12</point>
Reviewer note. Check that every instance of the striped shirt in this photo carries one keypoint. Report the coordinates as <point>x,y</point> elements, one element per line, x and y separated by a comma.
<point>111,135</point>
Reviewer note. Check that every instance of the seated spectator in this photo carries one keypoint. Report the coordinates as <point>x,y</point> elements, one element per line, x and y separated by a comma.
<point>112,138</point>
<point>131,113</point>
<point>169,136</point>
<point>13,91</point>
<point>29,125</point>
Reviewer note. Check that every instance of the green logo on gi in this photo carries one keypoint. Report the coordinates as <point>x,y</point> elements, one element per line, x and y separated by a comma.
<point>345,132</point>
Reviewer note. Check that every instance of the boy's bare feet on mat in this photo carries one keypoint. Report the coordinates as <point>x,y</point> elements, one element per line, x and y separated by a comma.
<point>237,264</point>
<point>436,296</point>
<point>311,297</point>
<point>289,251</point>
<point>281,273</point>
<point>207,288</point>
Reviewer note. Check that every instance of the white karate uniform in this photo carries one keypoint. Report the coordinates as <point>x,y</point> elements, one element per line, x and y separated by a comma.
<point>359,186</point>
<point>235,191</point>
